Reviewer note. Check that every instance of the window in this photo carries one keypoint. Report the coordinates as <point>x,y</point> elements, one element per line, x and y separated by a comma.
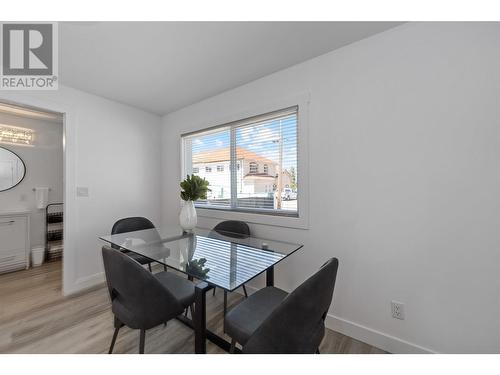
<point>196,170</point>
<point>269,141</point>
<point>253,167</point>
<point>203,150</point>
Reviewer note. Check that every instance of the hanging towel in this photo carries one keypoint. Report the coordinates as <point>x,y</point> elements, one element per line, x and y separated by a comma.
<point>41,197</point>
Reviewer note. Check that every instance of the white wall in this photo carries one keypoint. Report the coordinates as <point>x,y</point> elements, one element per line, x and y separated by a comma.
<point>44,167</point>
<point>404,154</point>
<point>112,149</point>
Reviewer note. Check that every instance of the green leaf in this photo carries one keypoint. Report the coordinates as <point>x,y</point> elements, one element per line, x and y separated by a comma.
<point>194,187</point>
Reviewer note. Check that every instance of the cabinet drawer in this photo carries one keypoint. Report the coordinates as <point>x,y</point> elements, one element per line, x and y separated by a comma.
<point>11,261</point>
<point>12,234</point>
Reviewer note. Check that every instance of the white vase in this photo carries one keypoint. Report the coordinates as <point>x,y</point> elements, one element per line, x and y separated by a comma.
<point>188,218</point>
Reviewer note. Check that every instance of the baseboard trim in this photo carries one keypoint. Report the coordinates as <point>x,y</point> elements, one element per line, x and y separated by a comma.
<point>365,334</point>
<point>84,283</point>
<point>373,337</point>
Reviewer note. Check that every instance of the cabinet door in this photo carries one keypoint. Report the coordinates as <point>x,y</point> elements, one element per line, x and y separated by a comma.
<point>12,260</point>
<point>12,241</point>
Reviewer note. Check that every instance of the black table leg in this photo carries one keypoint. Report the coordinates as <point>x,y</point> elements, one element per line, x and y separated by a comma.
<point>200,317</point>
<point>225,303</point>
<point>270,276</point>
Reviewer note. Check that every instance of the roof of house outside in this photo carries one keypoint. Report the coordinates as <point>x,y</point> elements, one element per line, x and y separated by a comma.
<point>222,154</point>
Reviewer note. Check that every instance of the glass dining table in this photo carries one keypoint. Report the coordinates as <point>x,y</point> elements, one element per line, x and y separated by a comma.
<point>215,259</point>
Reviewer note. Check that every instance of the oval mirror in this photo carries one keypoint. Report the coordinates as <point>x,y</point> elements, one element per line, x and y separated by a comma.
<point>12,169</point>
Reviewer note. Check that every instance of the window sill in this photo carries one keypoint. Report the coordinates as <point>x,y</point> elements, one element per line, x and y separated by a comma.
<point>297,222</point>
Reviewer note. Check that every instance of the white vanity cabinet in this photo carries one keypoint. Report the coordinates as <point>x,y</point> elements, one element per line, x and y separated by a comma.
<point>14,241</point>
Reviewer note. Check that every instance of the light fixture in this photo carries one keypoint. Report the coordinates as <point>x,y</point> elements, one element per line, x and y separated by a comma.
<point>15,135</point>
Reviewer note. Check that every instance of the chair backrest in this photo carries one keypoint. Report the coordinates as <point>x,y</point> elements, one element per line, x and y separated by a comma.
<point>233,228</point>
<point>297,325</point>
<point>139,300</point>
<point>131,224</point>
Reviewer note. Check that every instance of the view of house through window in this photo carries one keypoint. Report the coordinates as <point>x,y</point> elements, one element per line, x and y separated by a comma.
<point>250,164</point>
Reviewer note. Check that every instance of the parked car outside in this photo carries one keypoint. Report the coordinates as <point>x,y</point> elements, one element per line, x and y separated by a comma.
<point>288,194</point>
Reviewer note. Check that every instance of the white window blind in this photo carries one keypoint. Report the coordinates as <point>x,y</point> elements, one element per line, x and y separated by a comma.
<point>256,158</point>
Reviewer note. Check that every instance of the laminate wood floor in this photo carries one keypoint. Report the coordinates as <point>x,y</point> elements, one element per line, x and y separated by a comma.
<point>36,318</point>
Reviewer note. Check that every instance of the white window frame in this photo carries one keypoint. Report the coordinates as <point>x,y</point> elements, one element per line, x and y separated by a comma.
<point>301,221</point>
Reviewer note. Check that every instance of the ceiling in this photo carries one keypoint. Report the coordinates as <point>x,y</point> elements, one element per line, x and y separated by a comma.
<point>164,66</point>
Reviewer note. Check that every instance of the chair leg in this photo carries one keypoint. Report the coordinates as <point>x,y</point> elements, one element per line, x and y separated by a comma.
<point>142,340</point>
<point>113,340</point>
<point>165,267</point>
<point>233,346</point>
<point>245,291</point>
<point>317,351</point>
<point>214,292</point>
<point>149,266</point>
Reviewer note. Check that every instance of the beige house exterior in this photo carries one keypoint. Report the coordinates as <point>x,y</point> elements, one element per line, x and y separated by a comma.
<point>256,175</point>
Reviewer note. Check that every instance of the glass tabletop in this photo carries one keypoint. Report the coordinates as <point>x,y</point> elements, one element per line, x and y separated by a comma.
<point>226,260</point>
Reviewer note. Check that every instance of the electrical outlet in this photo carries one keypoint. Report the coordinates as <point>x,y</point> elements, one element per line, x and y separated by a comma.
<point>398,310</point>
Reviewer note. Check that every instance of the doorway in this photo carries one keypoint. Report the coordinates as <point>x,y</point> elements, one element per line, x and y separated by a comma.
<point>32,189</point>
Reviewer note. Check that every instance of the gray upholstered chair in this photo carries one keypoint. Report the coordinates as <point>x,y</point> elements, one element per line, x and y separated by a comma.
<point>131,224</point>
<point>234,229</point>
<point>142,300</point>
<point>272,321</point>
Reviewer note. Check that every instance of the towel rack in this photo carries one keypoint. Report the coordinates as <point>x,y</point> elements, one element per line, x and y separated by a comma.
<point>35,189</point>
